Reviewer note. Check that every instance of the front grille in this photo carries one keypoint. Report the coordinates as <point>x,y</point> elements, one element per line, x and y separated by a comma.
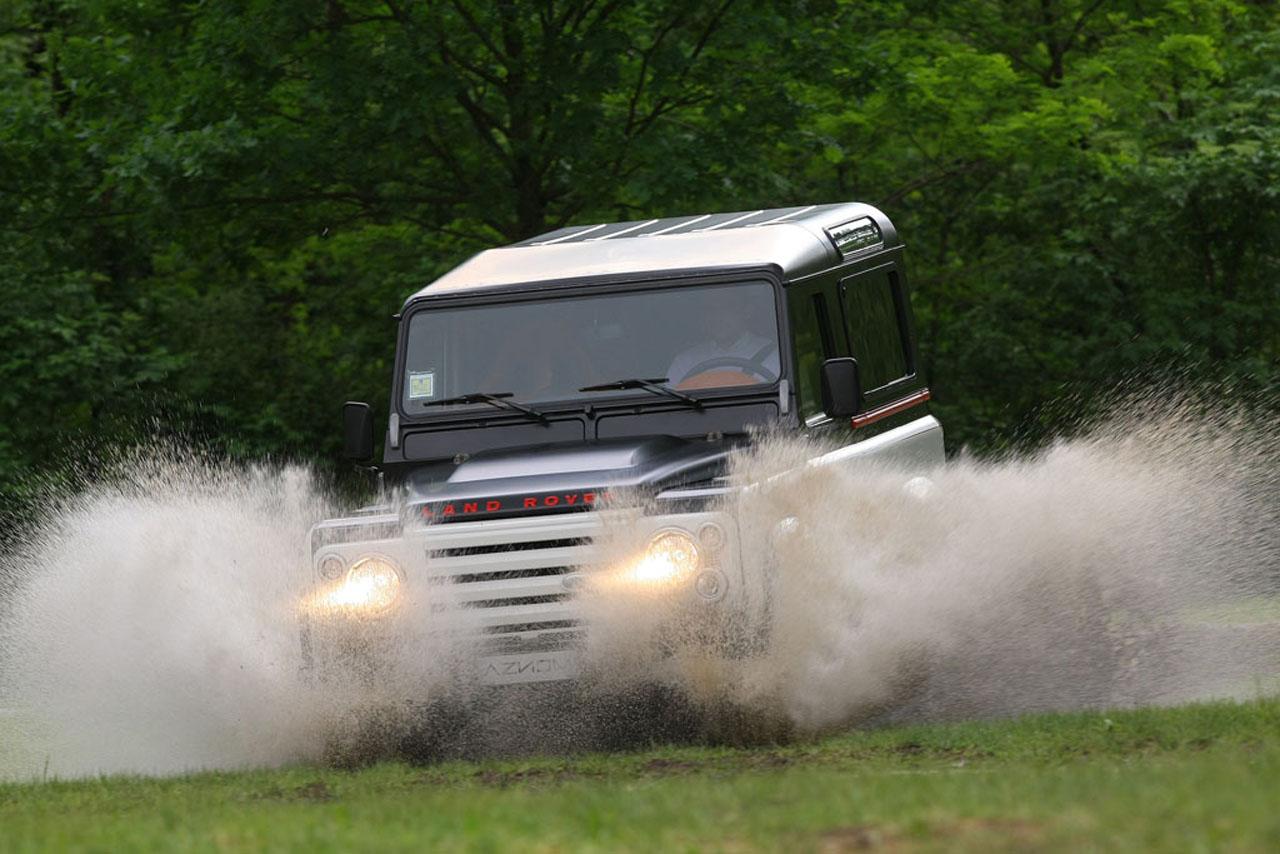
<point>510,574</point>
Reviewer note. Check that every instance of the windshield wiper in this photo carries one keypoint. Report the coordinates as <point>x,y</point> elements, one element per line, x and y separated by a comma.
<point>498,400</point>
<point>653,386</point>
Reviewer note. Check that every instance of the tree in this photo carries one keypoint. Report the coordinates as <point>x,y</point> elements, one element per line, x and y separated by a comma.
<point>212,209</point>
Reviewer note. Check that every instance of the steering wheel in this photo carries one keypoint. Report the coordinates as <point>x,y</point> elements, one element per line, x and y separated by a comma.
<point>728,371</point>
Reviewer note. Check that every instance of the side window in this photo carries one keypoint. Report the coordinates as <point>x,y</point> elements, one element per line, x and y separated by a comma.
<point>811,329</point>
<point>875,311</point>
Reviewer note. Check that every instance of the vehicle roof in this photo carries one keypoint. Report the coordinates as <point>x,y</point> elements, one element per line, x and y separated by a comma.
<point>792,239</point>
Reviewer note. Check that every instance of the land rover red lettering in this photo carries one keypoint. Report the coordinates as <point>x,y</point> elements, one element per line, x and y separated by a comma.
<point>480,507</point>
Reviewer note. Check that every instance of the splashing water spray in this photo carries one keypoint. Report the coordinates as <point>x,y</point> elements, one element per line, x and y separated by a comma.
<point>149,623</point>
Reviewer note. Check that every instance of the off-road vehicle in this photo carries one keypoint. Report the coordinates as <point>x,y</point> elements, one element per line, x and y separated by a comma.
<point>536,379</point>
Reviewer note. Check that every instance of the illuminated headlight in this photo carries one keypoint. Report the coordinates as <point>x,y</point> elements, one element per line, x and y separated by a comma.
<point>672,557</point>
<point>372,585</point>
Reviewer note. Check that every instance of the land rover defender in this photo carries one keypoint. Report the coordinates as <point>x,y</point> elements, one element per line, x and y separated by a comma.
<point>537,379</point>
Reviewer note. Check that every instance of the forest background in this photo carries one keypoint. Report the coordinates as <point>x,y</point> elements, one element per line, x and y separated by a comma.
<point>209,211</point>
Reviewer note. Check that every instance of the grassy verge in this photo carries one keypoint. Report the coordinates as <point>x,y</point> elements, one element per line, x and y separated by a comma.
<point>1196,777</point>
<point>1254,610</point>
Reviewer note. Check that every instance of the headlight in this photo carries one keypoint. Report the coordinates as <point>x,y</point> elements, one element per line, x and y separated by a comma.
<point>672,556</point>
<point>372,585</point>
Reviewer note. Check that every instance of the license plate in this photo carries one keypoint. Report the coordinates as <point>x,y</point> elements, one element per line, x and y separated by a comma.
<point>529,667</point>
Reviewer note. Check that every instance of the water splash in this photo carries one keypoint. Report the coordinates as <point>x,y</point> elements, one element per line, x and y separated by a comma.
<point>149,624</point>
<point>1091,574</point>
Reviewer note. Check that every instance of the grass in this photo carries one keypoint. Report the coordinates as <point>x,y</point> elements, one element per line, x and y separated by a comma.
<point>1198,777</point>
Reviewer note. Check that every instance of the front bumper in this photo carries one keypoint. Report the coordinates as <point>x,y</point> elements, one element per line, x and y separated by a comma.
<point>524,600</point>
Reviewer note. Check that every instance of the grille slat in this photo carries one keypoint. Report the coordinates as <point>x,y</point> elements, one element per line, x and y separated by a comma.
<point>507,575</point>
<point>533,529</point>
<point>510,560</point>
<point>499,548</point>
<point>497,591</point>
<point>527,615</point>
<point>509,601</point>
<point>530,628</point>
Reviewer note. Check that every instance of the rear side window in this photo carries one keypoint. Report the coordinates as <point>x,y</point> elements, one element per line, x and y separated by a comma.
<point>876,316</point>
<point>813,340</point>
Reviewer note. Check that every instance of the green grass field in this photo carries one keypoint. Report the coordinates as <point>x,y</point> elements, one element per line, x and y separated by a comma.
<point>1202,777</point>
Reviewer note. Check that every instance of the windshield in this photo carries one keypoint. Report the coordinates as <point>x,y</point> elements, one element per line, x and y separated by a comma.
<point>705,337</point>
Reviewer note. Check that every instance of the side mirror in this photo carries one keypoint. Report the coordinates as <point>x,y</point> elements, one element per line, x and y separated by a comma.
<point>841,388</point>
<point>357,431</point>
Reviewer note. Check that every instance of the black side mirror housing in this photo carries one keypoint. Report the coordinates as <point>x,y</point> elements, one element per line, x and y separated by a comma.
<point>357,431</point>
<point>841,388</point>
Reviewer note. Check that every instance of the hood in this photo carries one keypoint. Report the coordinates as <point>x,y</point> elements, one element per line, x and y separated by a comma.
<point>558,478</point>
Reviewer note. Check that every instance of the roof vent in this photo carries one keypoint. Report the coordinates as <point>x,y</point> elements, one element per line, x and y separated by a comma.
<point>855,235</point>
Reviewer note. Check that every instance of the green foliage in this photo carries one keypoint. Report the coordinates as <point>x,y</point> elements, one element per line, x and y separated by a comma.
<point>219,205</point>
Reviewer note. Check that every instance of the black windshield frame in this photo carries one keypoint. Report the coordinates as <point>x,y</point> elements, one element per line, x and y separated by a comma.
<point>543,292</point>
